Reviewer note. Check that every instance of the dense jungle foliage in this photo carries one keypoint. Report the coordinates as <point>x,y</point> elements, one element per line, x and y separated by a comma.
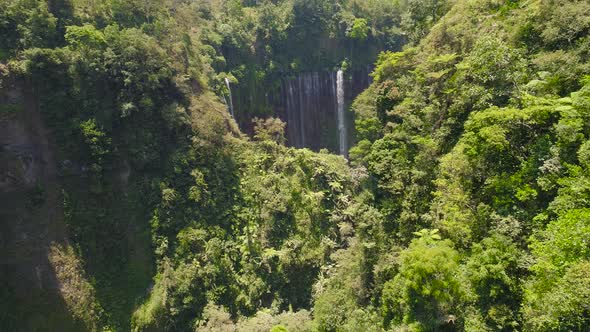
<point>464,205</point>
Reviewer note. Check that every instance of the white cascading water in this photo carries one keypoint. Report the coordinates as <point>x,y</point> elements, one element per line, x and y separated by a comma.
<point>302,108</point>
<point>231,103</point>
<point>341,116</point>
<point>314,106</point>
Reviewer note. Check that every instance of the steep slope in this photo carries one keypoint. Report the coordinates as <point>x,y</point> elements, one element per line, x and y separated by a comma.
<point>472,139</point>
<point>42,281</point>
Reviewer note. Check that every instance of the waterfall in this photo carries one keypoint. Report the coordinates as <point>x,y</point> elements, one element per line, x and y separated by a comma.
<point>302,108</point>
<point>231,103</point>
<point>313,104</point>
<point>341,116</point>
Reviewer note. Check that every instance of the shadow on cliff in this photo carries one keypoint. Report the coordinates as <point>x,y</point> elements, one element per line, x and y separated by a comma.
<point>31,220</point>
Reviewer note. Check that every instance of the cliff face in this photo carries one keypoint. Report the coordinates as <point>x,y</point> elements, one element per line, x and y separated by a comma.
<point>308,104</point>
<point>44,284</point>
<point>31,219</point>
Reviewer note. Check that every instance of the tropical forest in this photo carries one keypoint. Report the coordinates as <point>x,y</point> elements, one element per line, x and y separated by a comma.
<point>294,165</point>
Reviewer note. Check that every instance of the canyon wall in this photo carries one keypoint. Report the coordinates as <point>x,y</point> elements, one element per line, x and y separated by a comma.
<point>308,103</point>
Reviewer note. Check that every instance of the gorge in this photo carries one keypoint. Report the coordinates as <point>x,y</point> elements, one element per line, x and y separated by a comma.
<point>294,165</point>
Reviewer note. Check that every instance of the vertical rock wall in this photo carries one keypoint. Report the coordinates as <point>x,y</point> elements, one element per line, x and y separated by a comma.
<point>308,103</point>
